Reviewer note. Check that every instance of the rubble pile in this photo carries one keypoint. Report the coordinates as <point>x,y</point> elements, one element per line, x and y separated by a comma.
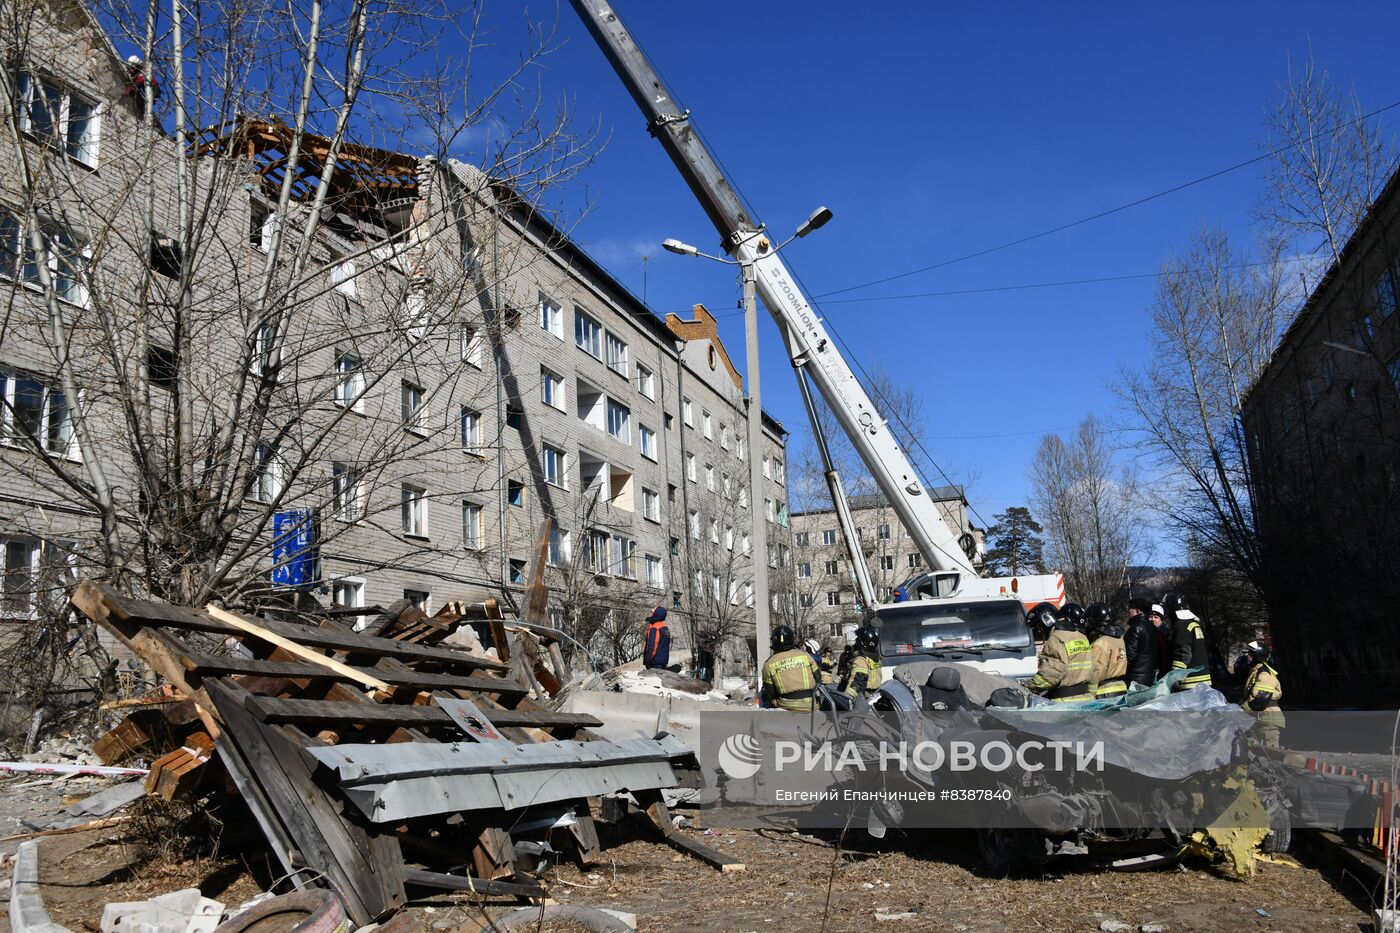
<point>387,760</point>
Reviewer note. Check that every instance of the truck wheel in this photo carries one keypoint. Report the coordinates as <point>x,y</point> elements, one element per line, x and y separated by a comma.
<point>1280,837</point>
<point>1010,851</point>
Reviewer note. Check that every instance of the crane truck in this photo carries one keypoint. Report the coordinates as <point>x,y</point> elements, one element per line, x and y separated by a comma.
<point>952,613</point>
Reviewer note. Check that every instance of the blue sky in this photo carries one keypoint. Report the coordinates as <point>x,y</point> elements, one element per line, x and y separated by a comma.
<point>935,130</point>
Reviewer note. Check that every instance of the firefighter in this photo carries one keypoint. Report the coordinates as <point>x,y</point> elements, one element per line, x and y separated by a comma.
<point>789,675</point>
<point>1188,641</point>
<point>656,646</point>
<point>1108,651</point>
<point>824,665</point>
<point>864,675</point>
<point>1066,659</point>
<point>1262,692</point>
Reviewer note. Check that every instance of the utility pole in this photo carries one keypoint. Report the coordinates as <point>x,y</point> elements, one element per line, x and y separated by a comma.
<point>755,417</point>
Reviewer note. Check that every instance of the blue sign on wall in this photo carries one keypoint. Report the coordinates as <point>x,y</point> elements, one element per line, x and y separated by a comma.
<point>294,550</point>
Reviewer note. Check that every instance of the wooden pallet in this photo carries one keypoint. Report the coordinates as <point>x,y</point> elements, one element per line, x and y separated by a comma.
<point>282,689</point>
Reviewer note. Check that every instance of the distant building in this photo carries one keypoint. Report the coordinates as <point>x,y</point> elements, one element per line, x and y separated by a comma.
<point>824,583</point>
<point>1322,423</point>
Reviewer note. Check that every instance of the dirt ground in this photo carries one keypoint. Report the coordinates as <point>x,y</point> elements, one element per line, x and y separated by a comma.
<point>930,882</point>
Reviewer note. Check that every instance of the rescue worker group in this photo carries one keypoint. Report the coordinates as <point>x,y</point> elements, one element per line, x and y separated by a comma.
<point>1085,654</point>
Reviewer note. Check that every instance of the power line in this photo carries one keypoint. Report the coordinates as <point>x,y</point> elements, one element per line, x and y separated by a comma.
<point>1106,213</point>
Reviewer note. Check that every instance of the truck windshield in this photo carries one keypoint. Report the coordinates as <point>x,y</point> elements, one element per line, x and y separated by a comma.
<point>929,627</point>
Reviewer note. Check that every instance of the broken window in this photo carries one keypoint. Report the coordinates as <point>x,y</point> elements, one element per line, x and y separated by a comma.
<point>411,405</point>
<point>260,222</point>
<point>515,493</point>
<point>161,369</point>
<point>517,570</point>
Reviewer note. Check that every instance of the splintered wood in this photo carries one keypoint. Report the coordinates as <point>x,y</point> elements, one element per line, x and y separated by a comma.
<point>263,703</point>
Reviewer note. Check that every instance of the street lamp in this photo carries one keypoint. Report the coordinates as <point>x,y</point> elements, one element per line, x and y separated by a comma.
<point>759,531</point>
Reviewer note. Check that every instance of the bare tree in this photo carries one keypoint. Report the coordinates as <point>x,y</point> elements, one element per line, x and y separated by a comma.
<point>247,292</point>
<point>1327,164</point>
<point>1089,508</point>
<point>1216,321</point>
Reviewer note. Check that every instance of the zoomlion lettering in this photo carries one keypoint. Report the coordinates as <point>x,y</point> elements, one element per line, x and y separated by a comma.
<point>932,756</point>
<point>794,299</point>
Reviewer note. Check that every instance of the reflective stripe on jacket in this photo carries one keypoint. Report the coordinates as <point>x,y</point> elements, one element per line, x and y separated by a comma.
<point>1065,662</point>
<point>862,664</point>
<point>1110,657</point>
<point>1262,692</point>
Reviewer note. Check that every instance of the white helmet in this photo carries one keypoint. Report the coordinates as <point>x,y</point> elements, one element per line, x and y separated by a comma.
<point>813,646</point>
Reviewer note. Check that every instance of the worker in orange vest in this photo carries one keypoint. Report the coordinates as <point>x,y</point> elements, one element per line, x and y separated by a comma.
<point>656,646</point>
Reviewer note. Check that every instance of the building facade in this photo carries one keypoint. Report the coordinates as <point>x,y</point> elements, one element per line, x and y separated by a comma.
<point>824,589</point>
<point>1322,423</point>
<point>398,359</point>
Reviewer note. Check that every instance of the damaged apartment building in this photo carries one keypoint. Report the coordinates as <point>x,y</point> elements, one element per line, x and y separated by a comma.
<point>354,377</point>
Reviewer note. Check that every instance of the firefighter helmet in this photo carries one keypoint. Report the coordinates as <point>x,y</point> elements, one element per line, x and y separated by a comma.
<point>867,639</point>
<point>1098,618</point>
<point>782,639</point>
<point>1071,617</point>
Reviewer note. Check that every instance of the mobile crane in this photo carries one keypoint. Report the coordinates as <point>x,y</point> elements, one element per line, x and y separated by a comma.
<point>952,613</point>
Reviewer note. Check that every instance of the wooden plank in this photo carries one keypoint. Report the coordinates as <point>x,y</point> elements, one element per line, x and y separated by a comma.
<point>291,647</point>
<point>280,710</point>
<point>218,665</point>
<point>656,815</point>
<point>365,870</point>
<point>143,612</point>
<point>418,878</point>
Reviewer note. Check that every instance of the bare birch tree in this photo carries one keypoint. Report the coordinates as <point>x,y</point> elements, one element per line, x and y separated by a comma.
<point>1089,507</point>
<point>279,266</point>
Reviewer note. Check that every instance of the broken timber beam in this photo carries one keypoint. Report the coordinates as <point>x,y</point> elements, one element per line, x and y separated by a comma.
<point>656,815</point>
<point>279,710</point>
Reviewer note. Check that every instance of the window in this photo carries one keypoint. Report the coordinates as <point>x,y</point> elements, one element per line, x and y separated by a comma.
<point>833,567</point>
<point>517,571</point>
<point>743,497</point>
<point>348,593</point>
<point>653,565</point>
<point>343,276</point>
<point>623,553</point>
<point>36,410</point>
<point>915,560</point>
<point>782,513</point>
<point>646,383</point>
<point>617,355</point>
<point>833,599</point>
<point>265,356</point>
<point>744,544</point>
<point>588,334</point>
<point>729,537</point>
<point>620,421</point>
<point>723,436</point>
<point>675,546</point>
<point>166,256</point>
<point>558,546</point>
<point>260,225</point>
<point>710,477</point>
<point>687,413</point>
<point>61,119</point>
<point>829,536</point>
<point>714,531</point>
<point>266,483</point>
<point>651,505</point>
<point>62,254</point>
<point>748,595</point>
<point>1386,293</point>
<point>883,532</point>
<point>551,389</point>
<point>690,467</point>
<point>739,449</point>
<point>471,430</point>
<point>767,468</point>
<point>804,570</point>
<point>670,492</point>
<point>698,584</point>
<point>714,587</point>
<point>733,592</point>
<point>471,526</point>
<point>469,345</point>
<point>806,600</point>
<point>670,422</point>
<point>551,316</point>
<point>556,470</point>
<point>515,416</point>
<point>350,381</point>
<point>726,485</point>
<point>770,512</point>
<point>515,493</point>
<point>779,473</point>
<point>411,405</point>
<point>887,562</point>
<point>19,584</point>
<point>413,510</point>
<point>705,424</point>
<point>693,522</point>
<point>648,442</point>
<point>162,369</point>
<point>346,484</point>
<point>800,539</point>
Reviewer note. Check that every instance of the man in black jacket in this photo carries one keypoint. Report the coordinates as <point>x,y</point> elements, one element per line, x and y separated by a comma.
<point>1140,640</point>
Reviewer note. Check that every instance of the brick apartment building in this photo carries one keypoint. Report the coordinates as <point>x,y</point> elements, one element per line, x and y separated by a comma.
<point>824,586</point>
<point>443,369</point>
<point>1322,423</point>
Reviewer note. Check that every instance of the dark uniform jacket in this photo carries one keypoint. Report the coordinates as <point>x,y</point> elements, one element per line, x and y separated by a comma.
<point>1189,651</point>
<point>1141,641</point>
